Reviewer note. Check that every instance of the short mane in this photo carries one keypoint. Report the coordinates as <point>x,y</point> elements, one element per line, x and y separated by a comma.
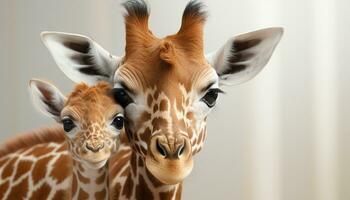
<point>28,139</point>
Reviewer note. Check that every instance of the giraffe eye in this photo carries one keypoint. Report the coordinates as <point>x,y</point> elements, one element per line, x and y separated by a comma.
<point>122,97</point>
<point>211,96</point>
<point>68,124</point>
<point>118,122</point>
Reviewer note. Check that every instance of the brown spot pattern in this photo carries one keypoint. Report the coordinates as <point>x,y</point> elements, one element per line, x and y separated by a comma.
<point>142,190</point>
<point>155,108</point>
<point>41,193</point>
<point>60,194</point>
<point>39,170</point>
<point>101,179</point>
<point>145,136</point>
<point>23,167</point>
<point>8,170</point>
<point>116,191</point>
<point>101,194</point>
<point>145,117</point>
<point>19,191</point>
<point>127,187</point>
<point>158,123</point>
<point>149,100</point>
<point>3,188</point>
<point>156,94</point>
<point>163,105</point>
<point>82,178</point>
<point>82,194</point>
<point>190,115</point>
<point>62,168</point>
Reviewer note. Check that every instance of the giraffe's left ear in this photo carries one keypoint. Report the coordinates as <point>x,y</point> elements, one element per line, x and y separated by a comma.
<point>47,97</point>
<point>244,56</point>
<point>81,58</point>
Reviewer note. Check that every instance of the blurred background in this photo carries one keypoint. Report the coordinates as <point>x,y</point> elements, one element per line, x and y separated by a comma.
<point>282,136</point>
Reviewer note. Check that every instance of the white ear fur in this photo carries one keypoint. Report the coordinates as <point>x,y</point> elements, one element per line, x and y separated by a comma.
<point>80,58</point>
<point>244,56</point>
<point>47,98</point>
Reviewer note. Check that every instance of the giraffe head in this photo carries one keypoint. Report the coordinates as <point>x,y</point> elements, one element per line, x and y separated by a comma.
<point>168,86</point>
<point>90,117</point>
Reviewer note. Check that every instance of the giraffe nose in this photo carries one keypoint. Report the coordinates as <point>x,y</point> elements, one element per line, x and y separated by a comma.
<point>170,147</point>
<point>94,148</point>
<point>169,157</point>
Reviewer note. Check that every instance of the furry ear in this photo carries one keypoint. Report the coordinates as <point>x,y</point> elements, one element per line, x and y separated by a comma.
<point>47,97</point>
<point>80,58</point>
<point>244,56</point>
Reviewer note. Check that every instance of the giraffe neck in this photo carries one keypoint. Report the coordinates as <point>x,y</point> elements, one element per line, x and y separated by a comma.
<point>132,180</point>
<point>88,183</point>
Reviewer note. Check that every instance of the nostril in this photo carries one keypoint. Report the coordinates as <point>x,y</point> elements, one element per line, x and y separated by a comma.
<point>101,146</point>
<point>94,149</point>
<point>161,149</point>
<point>180,150</point>
<point>90,148</point>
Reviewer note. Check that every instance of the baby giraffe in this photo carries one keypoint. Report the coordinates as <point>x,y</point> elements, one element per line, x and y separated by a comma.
<point>91,121</point>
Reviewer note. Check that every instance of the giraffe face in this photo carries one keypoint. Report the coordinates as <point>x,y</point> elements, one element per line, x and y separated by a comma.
<point>175,103</point>
<point>92,141</point>
<point>92,122</point>
<point>90,118</point>
<point>167,118</point>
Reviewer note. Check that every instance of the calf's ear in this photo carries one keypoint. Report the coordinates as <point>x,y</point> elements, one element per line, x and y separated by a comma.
<point>47,97</point>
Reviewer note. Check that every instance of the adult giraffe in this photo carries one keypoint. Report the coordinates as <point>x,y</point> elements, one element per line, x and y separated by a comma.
<point>167,87</point>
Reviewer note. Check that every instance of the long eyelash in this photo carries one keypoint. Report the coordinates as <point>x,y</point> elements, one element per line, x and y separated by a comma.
<point>218,90</point>
<point>116,115</point>
<point>67,117</point>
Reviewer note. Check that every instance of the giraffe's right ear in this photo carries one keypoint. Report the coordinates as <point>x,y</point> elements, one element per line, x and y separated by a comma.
<point>80,58</point>
<point>47,97</point>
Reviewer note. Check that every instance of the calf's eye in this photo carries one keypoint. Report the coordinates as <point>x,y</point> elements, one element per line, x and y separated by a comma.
<point>118,122</point>
<point>68,124</point>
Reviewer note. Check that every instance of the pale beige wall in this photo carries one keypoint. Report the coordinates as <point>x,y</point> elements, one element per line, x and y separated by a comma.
<point>282,136</point>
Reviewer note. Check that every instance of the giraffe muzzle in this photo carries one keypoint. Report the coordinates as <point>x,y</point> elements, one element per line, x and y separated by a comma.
<point>169,158</point>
